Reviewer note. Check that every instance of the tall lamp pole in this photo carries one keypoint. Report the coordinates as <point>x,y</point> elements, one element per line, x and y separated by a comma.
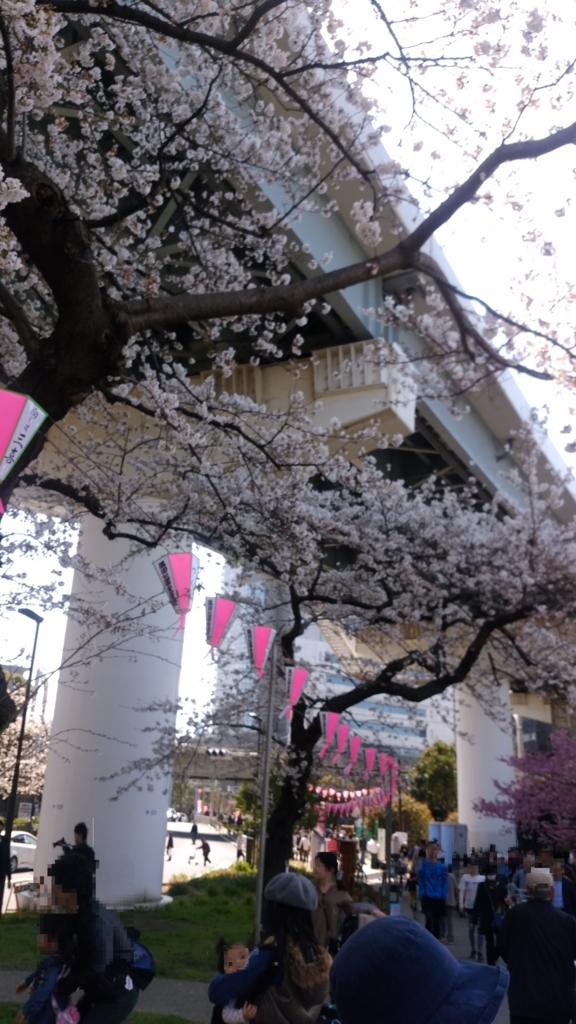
<point>265,792</point>
<point>5,843</point>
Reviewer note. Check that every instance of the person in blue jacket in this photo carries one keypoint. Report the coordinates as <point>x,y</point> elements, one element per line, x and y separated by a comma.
<point>432,889</point>
<point>39,1007</point>
<point>286,977</point>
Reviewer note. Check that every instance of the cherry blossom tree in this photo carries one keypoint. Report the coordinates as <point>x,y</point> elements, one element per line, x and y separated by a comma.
<point>541,802</point>
<point>142,258</point>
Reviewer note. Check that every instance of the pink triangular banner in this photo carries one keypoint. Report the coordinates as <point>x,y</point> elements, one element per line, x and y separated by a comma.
<point>341,742</point>
<point>178,574</point>
<point>355,744</point>
<point>329,720</point>
<point>295,683</point>
<point>259,640</point>
<point>369,754</point>
<point>220,612</point>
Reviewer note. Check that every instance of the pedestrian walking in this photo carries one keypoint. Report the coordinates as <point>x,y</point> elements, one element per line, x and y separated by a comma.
<point>393,972</point>
<point>432,889</point>
<point>205,847</point>
<point>519,877</point>
<point>489,909</point>
<point>169,846</point>
<point>451,906</point>
<point>468,888</point>
<point>564,892</point>
<point>538,943</point>
<point>240,855</point>
<point>304,846</point>
<point>194,833</point>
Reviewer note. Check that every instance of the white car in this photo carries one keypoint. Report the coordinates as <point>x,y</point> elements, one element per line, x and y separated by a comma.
<point>22,850</point>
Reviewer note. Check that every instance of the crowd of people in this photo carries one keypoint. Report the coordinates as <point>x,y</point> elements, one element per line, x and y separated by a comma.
<point>325,958</point>
<point>306,970</point>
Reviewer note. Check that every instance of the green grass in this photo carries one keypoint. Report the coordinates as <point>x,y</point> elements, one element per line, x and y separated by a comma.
<point>9,1010</point>
<point>181,936</point>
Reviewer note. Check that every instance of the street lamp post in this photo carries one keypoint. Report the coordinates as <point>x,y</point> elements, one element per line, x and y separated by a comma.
<point>5,844</point>
<point>265,792</point>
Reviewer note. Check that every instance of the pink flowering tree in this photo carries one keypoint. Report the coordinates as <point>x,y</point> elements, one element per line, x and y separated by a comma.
<point>541,802</point>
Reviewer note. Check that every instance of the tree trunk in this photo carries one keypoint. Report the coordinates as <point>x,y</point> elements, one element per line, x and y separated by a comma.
<point>292,800</point>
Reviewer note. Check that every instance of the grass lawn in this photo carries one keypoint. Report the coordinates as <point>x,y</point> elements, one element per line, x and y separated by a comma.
<point>9,1010</point>
<point>180,936</point>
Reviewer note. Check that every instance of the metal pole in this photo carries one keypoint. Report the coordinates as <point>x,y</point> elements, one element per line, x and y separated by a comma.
<point>265,791</point>
<point>389,842</point>
<point>5,844</point>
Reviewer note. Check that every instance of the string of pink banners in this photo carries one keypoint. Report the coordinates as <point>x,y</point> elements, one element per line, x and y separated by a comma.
<point>343,802</point>
<point>178,574</point>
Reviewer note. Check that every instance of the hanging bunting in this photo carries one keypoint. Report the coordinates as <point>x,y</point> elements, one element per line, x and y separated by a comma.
<point>259,640</point>
<point>329,720</point>
<point>20,419</point>
<point>178,574</point>
<point>220,612</point>
<point>295,683</point>
<point>384,762</point>
<point>369,754</point>
<point>341,743</point>
<point>355,744</point>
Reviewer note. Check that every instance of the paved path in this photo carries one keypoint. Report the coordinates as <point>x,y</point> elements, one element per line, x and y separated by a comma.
<point>183,998</point>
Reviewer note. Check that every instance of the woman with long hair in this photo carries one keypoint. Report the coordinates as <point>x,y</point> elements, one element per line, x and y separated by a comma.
<point>286,978</point>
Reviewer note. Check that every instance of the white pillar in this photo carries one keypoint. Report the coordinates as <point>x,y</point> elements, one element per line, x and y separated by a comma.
<point>481,741</point>
<point>100,718</point>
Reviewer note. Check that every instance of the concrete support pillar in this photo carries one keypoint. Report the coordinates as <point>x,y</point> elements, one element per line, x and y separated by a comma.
<point>481,742</point>
<point>101,714</point>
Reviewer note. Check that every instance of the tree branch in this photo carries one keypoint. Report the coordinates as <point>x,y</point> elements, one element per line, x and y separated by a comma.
<point>507,153</point>
<point>142,314</point>
<point>120,12</point>
<point>384,682</point>
<point>253,20</point>
<point>467,330</point>
<point>11,90</point>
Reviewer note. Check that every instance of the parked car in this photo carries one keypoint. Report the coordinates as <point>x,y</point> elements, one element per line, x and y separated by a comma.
<point>22,850</point>
<point>173,815</point>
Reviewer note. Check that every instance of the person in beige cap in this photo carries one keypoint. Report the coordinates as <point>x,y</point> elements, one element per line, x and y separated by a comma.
<point>538,944</point>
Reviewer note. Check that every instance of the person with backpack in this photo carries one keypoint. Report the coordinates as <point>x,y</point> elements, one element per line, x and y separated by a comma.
<point>286,977</point>
<point>104,965</point>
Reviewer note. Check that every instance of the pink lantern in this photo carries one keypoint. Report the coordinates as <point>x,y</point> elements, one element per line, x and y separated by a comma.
<point>369,755</point>
<point>20,419</point>
<point>220,612</point>
<point>355,744</point>
<point>259,640</point>
<point>329,720</point>
<point>295,683</point>
<point>384,762</point>
<point>178,574</point>
<point>341,743</point>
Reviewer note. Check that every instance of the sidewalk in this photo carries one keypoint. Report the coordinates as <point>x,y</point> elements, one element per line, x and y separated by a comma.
<point>182,998</point>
